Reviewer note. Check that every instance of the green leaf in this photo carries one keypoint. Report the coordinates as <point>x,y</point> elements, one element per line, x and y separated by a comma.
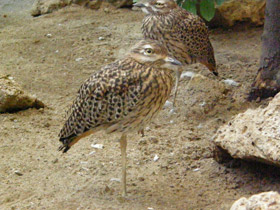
<point>219,2</point>
<point>207,9</point>
<point>190,5</point>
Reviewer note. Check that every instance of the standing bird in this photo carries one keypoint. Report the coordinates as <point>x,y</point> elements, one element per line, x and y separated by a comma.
<point>184,34</point>
<point>122,97</point>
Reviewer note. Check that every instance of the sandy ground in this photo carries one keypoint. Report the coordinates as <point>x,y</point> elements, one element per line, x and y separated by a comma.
<point>50,56</point>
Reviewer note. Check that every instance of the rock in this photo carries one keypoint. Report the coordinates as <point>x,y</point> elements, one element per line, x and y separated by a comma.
<point>253,135</point>
<point>97,146</point>
<point>12,98</point>
<point>121,3</point>
<point>233,11</point>
<point>41,7</point>
<point>204,95</point>
<point>263,201</point>
<point>92,4</point>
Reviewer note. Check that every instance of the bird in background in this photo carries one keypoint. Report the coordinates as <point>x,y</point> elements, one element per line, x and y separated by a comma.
<point>122,97</point>
<point>184,34</point>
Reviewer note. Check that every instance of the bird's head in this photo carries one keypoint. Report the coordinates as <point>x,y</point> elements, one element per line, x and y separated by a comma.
<point>157,7</point>
<point>150,52</point>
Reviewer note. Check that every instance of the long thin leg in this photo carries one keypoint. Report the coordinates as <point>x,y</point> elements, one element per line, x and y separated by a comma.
<point>123,152</point>
<point>178,75</point>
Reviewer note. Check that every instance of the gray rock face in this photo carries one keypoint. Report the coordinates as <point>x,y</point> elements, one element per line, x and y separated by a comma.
<point>254,134</point>
<point>263,201</point>
<point>12,98</point>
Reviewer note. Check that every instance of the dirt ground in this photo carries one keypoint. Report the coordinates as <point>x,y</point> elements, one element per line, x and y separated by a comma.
<point>50,56</point>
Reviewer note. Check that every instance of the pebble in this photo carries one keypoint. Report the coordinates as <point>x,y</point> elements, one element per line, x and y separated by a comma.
<point>101,38</point>
<point>78,59</point>
<point>196,169</point>
<point>141,179</point>
<point>91,153</point>
<point>202,104</point>
<point>55,160</point>
<point>187,74</point>
<point>168,104</point>
<point>97,146</point>
<point>200,126</point>
<point>18,173</point>
<point>172,111</point>
<point>49,35</point>
<point>231,82</point>
<point>156,158</point>
<point>115,180</point>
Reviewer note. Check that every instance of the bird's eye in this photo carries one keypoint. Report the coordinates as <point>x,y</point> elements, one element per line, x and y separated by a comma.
<point>149,51</point>
<point>159,4</point>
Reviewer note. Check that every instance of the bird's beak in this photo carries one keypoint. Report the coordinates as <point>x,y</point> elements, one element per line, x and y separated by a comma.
<point>172,61</point>
<point>140,5</point>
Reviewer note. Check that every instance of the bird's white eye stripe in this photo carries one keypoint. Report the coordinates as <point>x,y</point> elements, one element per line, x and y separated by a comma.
<point>147,46</point>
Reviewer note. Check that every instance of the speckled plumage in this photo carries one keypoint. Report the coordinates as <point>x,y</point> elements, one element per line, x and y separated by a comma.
<point>121,97</point>
<point>184,34</point>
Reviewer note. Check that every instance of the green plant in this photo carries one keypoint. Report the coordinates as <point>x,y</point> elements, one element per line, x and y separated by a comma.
<point>206,7</point>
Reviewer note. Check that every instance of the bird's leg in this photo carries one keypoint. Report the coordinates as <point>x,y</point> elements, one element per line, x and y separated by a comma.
<point>123,152</point>
<point>178,75</point>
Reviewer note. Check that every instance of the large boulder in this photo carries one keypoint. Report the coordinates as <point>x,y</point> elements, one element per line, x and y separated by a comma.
<point>233,11</point>
<point>12,98</point>
<point>41,7</point>
<point>253,135</point>
<point>263,201</point>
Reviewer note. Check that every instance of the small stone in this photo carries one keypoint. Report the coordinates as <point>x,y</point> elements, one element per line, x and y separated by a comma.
<point>202,104</point>
<point>168,104</point>
<point>47,125</point>
<point>115,180</point>
<point>172,111</point>
<point>49,35</point>
<point>97,146</point>
<point>187,74</point>
<point>141,179</point>
<point>231,82</point>
<point>153,139</point>
<point>107,189</point>
<point>142,142</point>
<point>78,59</point>
<point>91,153</point>
<point>200,126</point>
<point>196,169</point>
<point>156,158</point>
<point>18,173</point>
<point>101,38</point>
